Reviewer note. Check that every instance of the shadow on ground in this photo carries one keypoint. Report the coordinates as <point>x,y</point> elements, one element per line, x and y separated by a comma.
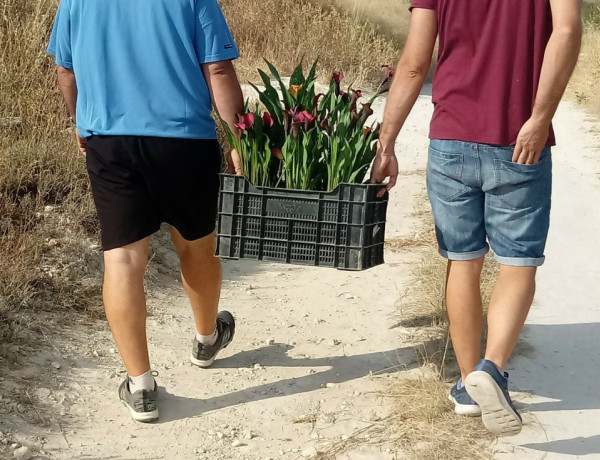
<point>341,369</point>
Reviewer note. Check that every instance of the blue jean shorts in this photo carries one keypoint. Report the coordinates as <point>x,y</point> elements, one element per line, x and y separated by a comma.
<point>478,195</point>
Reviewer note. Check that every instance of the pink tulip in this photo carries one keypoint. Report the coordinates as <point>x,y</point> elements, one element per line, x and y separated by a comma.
<point>390,70</point>
<point>268,120</point>
<point>246,121</point>
<point>357,94</point>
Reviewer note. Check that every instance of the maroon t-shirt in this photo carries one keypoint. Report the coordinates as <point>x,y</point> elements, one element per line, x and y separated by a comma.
<point>489,65</point>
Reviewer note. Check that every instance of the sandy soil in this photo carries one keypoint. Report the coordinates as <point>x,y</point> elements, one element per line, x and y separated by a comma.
<point>316,348</point>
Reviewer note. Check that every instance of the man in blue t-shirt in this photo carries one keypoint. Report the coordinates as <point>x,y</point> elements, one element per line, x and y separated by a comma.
<point>140,78</point>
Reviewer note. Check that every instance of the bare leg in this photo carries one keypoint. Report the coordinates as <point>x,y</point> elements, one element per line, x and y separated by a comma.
<point>465,312</point>
<point>510,303</point>
<point>125,303</point>
<point>201,276</point>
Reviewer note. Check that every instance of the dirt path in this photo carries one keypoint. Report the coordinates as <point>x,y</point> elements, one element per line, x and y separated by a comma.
<point>315,348</point>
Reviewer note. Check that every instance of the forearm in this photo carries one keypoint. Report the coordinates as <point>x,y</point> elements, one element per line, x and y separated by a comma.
<point>560,59</point>
<point>403,94</point>
<point>226,92</point>
<point>68,88</point>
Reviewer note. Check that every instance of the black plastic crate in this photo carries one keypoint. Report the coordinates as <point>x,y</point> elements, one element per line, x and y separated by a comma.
<point>344,228</point>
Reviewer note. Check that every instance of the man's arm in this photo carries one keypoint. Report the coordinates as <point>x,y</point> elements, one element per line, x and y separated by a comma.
<point>228,100</point>
<point>68,89</point>
<point>560,58</point>
<point>408,81</point>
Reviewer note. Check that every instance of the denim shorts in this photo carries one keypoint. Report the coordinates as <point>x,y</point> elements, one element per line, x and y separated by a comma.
<point>478,195</point>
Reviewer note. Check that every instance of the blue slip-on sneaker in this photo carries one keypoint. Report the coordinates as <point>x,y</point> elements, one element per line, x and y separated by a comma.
<point>463,403</point>
<point>489,388</point>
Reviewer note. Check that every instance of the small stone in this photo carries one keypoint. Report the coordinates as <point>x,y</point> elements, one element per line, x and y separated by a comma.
<point>335,342</point>
<point>248,435</point>
<point>236,443</point>
<point>14,445</point>
<point>349,296</point>
<point>112,350</point>
<point>132,436</point>
<point>55,365</point>
<point>220,435</point>
<point>314,435</point>
<point>271,342</point>
<point>200,450</point>
<point>257,366</point>
<point>309,452</point>
<point>22,453</point>
<point>330,385</point>
<point>211,432</point>
<point>344,437</point>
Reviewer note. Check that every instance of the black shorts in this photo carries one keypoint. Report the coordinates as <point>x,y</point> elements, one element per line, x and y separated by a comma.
<point>140,182</point>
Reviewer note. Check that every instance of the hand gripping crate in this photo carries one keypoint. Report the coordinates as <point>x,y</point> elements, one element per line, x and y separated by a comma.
<point>344,228</point>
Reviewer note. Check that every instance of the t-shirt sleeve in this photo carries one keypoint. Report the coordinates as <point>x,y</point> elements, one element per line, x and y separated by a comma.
<point>214,41</point>
<point>425,4</point>
<point>60,39</point>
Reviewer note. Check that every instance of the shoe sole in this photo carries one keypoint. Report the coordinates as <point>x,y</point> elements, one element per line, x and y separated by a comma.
<point>466,410</point>
<point>497,415</point>
<point>144,417</point>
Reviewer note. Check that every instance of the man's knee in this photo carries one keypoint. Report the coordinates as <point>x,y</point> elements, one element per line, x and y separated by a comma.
<point>199,250</point>
<point>129,259</point>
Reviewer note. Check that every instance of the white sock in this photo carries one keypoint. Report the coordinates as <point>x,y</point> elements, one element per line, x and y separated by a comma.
<point>210,339</point>
<point>141,382</point>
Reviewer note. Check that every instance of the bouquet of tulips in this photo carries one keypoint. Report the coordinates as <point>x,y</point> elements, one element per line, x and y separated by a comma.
<point>298,139</point>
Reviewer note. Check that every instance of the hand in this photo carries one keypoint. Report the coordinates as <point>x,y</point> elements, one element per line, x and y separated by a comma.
<point>530,142</point>
<point>385,165</point>
<point>234,163</point>
<point>81,143</point>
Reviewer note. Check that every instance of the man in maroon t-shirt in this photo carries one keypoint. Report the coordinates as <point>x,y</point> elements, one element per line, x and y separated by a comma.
<point>502,69</point>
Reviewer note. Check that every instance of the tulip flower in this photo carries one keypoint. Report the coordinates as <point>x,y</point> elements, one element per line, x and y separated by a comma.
<point>277,153</point>
<point>356,95</point>
<point>268,120</point>
<point>390,71</point>
<point>337,78</point>
<point>295,89</point>
<point>246,121</point>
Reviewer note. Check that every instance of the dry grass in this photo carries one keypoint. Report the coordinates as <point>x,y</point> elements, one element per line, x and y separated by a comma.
<point>44,199</point>
<point>287,31</point>
<point>585,85</point>
<point>391,16</point>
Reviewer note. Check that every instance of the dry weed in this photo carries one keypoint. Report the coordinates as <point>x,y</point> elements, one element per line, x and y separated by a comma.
<point>288,31</point>
<point>585,84</point>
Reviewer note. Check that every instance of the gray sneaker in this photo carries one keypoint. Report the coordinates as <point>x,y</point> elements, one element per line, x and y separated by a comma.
<point>141,404</point>
<point>205,355</point>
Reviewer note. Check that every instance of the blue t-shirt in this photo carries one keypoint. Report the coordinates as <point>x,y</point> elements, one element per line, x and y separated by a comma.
<point>138,64</point>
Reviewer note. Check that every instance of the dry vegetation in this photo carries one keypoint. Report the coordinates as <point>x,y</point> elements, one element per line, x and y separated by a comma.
<point>288,31</point>
<point>585,86</point>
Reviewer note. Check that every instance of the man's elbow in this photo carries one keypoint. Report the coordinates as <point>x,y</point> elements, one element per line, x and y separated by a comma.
<point>414,68</point>
<point>571,33</point>
<point>64,72</point>
<point>221,69</point>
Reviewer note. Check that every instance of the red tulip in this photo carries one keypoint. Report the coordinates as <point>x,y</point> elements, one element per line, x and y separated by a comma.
<point>338,77</point>
<point>308,117</point>
<point>268,120</point>
<point>356,94</point>
<point>390,70</point>
<point>246,121</point>
<point>277,153</point>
